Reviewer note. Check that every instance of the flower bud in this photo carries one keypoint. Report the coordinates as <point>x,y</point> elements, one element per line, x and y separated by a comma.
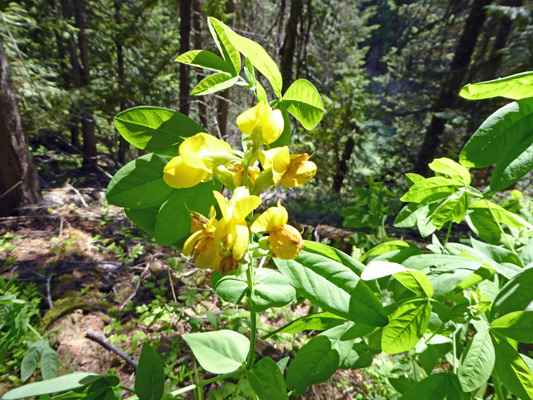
<point>286,242</point>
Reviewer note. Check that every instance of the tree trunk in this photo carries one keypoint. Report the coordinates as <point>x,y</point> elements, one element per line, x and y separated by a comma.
<point>19,185</point>
<point>338,179</point>
<point>87,120</point>
<point>289,44</point>
<point>452,84</point>
<point>185,34</point>
<point>199,43</point>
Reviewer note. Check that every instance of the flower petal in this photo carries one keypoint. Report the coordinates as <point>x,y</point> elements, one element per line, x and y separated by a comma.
<point>248,119</point>
<point>286,242</point>
<point>178,174</point>
<point>199,150</point>
<point>245,206</point>
<point>241,242</point>
<point>272,219</point>
<point>300,171</point>
<point>190,243</point>
<point>271,123</point>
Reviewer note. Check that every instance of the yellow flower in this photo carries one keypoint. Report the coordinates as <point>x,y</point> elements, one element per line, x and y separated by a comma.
<point>198,155</point>
<point>232,232</point>
<point>202,242</point>
<point>291,170</point>
<point>285,240</point>
<point>262,117</point>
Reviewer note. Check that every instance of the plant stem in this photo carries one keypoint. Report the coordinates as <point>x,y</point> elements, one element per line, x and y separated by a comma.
<point>237,387</point>
<point>35,332</point>
<point>253,320</point>
<point>126,389</point>
<point>499,226</point>
<point>206,382</point>
<point>498,387</point>
<point>448,233</point>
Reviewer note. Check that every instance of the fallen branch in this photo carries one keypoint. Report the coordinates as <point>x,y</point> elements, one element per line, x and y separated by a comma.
<point>100,339</point>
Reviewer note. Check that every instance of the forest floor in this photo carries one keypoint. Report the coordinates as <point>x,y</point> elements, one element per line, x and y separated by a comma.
<point>95,271</point>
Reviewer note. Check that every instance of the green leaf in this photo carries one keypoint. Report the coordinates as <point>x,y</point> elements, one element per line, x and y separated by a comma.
<point>511,369</point>
<point>451,168</point>
<point>502,260</point>
<point>55,385</point>
<point>204,59</point>
<point>334,287</point>
<point>416,281</point>
<point>271,289</point>
<point>315,322</point>
<point>502,215</point>
<point>150,375</point>
<point>227,49</point>
<point>267,381</point>
<point>431,190</point>
<point>303,101</point>
<point>440,386</point>
<point>219,352</point>
<point>504,137</point>
<point>256,54</point>
<point>517,325</point>
<point>49,363</point>
<point>407,324</point>
<point>144,218</point>
<point>483,226</point>
<point>405,249</point>
<point>477,360</point>
<point>514,87</point>
<point>154,129</point>
<point>31,359</point>
<point>173,223</point>
<point>229,288</point>
<point>412,178</point>
<point>452,208</point>
<point>314,363</point>
<point>334,254</point>
<point>140,184</point>
<point>214,83</point>
<point>516,295</point>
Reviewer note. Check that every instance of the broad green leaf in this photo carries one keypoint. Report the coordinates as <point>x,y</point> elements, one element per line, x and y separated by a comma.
<point>412,178</point>
<point>49,363</point>
<point>55,385</point>
<point>416,281</point>
<point>511,369</point>
<point>428,356</point>
<point>204,59</point>
<point>502,260</point>
<point>440,386</point>
<point>334,254</point>
<point>505,136</point>
<point>451,168</point>
<point>214,83</point>
<point>229,52</point>
<point>256,54</point>
<point>477,360</point>
<point>406,249</point>
<point>267,381</point>
<point>154,129</point>
<point>424,221</point>
<point>401,384</point>
<point>173,223</point>
<point>381,269</point>
<point>516,295</point>
<point>219,352</point>
<point>229,288</point>
<point>514,87</point>
<point>314,363</point>
<point>31,359</point>
<point>502,215</point>
<point>334,287</point>
<point>452,208</point>
<point>144,218</point>
<point>407,324</point>
<point>408,215</point>
<point>517,325</point>
<point>316,322</point>
<point>431,190</point>
<point>271,289</point>
<point>483,226</point>
<point>150,376</point>
<point>303,101</point>
<point>140,184</point>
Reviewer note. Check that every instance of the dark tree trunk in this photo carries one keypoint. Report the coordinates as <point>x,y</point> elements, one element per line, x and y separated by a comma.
<point>185,34</point>
<point>87,120</point>
<point>222,113</point>
<point>18,180</point>
<point>452,84</point>
<point>288,49</point>
<point>338,179</point>
<point>197,26</point>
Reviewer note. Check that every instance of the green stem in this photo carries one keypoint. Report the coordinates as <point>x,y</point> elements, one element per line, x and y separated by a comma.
<point>434,333</point>
<point>498,387</point>
<point>499,226</point>
<point>237,387</point>
<point>253,320</point>
<point>35,332</point>
<point>206,382</point>
<point>126,389</point>
<point>448,233</point>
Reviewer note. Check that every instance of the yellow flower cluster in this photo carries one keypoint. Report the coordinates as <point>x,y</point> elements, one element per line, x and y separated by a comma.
<point>220,244</point>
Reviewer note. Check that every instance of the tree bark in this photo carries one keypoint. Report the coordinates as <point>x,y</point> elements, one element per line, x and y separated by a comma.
<point>185,35</point>
<point>338,179</point>
<point>199,43</point>
<point>452,84</point>
<point>18,180</point>
<point>289,43</point>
